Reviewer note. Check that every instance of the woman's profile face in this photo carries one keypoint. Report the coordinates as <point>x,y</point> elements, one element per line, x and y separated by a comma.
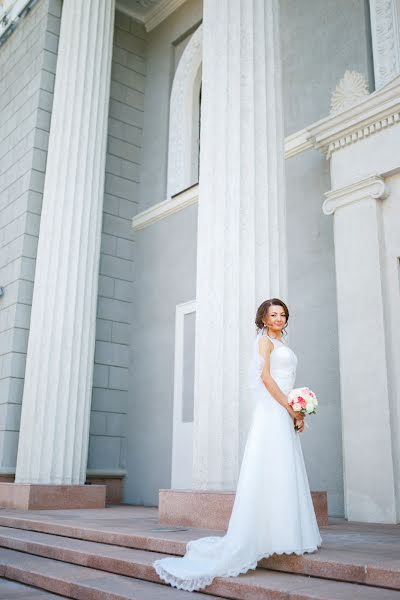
<point>275,318</point>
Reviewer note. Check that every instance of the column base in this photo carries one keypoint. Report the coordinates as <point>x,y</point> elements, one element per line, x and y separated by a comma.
<point>207,509</point>
<point>27,496</point>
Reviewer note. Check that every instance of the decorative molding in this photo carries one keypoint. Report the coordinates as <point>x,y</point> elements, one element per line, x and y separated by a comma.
<point>166,208</point>
<point>351,89</point>
<point>297,143</point>
<point>370,187</point>
<point>11,12</point>
<point>156,15</point>
<point>378,111</point>
<point>184,94</point>
<point>385,39</point>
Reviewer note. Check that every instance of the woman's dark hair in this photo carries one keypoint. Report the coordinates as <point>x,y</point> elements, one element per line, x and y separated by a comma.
<point>263,310</point>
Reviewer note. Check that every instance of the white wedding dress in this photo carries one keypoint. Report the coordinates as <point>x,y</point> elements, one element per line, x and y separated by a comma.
<point>273,510</point>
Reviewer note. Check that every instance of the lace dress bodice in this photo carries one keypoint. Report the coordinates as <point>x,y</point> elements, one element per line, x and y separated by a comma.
<point>283,364</point>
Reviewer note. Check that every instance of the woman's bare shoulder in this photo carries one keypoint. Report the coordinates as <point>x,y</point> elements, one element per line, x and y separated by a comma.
<point>265,346</point>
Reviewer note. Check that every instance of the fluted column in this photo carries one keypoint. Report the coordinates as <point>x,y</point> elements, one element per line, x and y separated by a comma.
<point>54,429</point>
<point>241,239</point>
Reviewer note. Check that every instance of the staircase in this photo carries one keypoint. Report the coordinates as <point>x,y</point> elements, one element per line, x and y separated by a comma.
<point>108,554</point>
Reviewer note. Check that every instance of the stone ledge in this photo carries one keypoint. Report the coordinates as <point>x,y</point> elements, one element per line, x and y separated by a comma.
<point>113,480</point>
<point>206,509</point>
<point>25,496</point>
<point>113,484</point>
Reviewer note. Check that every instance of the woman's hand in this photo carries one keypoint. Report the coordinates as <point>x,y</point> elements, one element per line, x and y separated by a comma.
<point>298,419</point>
<point>295,415</point>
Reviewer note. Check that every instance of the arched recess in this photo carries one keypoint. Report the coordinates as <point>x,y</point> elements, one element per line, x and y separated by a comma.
<point>183,146</point>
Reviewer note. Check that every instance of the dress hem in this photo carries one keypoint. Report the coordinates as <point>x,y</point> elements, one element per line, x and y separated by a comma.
<point>191,585</point>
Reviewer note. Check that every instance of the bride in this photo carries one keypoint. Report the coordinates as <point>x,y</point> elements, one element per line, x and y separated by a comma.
<point>273,510</point>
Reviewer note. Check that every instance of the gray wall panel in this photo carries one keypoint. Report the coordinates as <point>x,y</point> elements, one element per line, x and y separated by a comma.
<point>166,276</point>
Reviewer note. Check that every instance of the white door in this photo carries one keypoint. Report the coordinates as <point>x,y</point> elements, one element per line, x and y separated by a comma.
<point>182,437</point>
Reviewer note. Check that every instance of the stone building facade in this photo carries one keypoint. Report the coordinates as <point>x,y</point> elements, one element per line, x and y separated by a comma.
<point>164,167</point>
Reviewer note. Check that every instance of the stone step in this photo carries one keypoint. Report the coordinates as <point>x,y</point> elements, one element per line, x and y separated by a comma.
<point>82,583</point>
<point>87,583</point>
<point>12,590</point>
<point>350,558</point>
<point>134,563</point>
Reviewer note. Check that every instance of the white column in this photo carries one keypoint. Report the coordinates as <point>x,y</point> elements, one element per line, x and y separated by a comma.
<point>369,479</point>
<point>56,404</point>
<point>385,32</point>
<point>241,240</point>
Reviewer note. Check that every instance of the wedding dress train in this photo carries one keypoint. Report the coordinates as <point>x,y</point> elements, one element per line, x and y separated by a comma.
<point>273,510</point>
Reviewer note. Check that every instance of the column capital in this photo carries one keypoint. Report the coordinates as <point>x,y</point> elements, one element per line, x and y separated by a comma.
<point>370,187</point>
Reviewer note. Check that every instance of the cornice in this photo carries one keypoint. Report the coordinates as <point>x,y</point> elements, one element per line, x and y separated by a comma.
<point>370,187</point>
<point>160,12</point>
<point>379,110</point>
<point>297,143</point>
<point>166,208</point>
<point>155,16</point>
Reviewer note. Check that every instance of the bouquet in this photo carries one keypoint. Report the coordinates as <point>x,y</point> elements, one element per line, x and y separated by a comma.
<point>303,400</point>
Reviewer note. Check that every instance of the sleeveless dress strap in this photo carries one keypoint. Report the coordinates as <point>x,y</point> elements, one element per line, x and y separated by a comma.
<point>273,340</point>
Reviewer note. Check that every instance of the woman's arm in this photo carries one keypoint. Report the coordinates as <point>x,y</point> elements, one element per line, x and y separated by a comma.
<point>265,347</point>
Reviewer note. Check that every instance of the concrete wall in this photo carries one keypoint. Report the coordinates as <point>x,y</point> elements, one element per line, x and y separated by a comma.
<point>165,277</point>
<point>107,444</point>
<point>165,274</point>
<point>27,72</point>
<point>320,40</point>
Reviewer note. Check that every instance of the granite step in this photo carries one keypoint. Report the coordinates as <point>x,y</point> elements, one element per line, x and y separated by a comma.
<point>12,590</point>
<point>86,583</point>
<point>82,583</point>
<point>137,564</point>
<point>368,554</point>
